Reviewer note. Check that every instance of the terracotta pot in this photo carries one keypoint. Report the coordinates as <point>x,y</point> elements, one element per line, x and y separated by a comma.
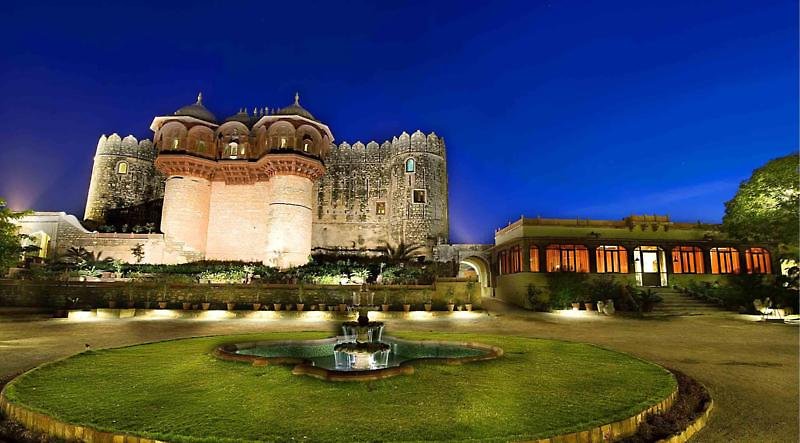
<point>301,306</point>
<point>231,306</point>
<point>428,307</point>
<point>385,308</point>
<point>256,306</point>
<point>321,307</point>
<point>331,308</point>
<point>469,307</point>
<point>112,304</point>
<point>451,307</point>
<point>162,305</point>
<point>342,307</point>
<point>589,306</point>
<point>406,307</point>
<point>460,307</point>
<point>186,306</point>
<point>205,306</point>
<point>576,306</point>
<point>277,306</point>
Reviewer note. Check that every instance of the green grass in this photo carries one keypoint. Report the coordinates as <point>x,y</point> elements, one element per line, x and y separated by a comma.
<point>177,391</point>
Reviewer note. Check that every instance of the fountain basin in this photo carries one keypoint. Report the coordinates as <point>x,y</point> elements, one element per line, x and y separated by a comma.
<point>317,358</point>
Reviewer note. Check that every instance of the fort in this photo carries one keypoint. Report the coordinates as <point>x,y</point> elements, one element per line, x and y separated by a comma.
<point>269,186</point>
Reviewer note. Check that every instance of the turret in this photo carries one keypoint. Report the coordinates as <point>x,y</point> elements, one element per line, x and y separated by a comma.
<point>242,189</point>
<point>123,176</point>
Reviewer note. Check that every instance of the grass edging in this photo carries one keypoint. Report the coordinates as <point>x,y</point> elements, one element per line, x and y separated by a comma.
<point>46,424</point>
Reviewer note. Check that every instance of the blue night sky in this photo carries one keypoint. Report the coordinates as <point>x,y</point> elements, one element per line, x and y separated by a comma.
<point>553,108</point>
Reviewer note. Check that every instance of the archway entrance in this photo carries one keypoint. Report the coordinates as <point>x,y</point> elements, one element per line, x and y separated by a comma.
<point>650,265</point>
<point>478,266</point>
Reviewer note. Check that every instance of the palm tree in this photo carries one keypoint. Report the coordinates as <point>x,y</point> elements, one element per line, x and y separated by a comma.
<point>402,252</point>
<point>80,257</point>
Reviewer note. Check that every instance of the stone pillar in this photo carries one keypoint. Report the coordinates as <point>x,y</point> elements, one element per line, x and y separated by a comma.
<point>290,216</point>
<point>525,266</point>
<point>184,217</point>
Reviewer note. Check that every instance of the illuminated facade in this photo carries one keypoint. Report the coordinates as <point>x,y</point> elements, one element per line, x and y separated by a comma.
<point>268,186</point>
<point>647,251</point>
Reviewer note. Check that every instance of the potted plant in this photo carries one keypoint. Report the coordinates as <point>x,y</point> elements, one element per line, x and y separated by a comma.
<point>206,303</point>
<point>576,305</point>
<point>230,305</point>
<point>385,304</point>
<point>288,307</point>
<point>257,302</point>
<point>428,305</point>
<point>470,288</point>
<point>186,305</point>
<point>406,304</point>
<point>277,305</point>
<point>342,303</point>
<point>588,304</point>
<point>162,299</point>
<point>300,302</point>
<point>451,305</point>
<point>129,289</point>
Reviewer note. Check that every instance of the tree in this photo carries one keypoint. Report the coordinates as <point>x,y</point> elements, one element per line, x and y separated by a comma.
<point>10,239</point>
<point>402,252</point>
<point>765,208</point>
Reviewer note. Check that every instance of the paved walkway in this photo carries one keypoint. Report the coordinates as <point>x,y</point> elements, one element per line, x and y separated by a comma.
<point>750,368</point>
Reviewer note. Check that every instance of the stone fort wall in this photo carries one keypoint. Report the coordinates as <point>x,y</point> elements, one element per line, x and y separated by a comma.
<point>365,199</point>
<point>123,177</point>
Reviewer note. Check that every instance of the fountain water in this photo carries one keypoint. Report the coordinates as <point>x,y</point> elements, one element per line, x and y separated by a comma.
<point>361,347</point>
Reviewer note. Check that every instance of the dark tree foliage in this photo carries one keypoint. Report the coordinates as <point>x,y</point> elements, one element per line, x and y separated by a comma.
<point>765,208</point>
<point>10,240</point>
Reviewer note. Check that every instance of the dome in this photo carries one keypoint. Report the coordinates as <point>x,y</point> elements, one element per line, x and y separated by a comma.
<point>242,116</point>
<point>296,109</point>
<point>197,110</point>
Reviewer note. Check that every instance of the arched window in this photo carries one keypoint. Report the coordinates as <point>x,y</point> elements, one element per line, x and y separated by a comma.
<point>612,259</point>
<point>201,146</point>
<point>122,168</point>
<point>514,260</point>
<point>758,261</point>
<point>687,260</point>
<point>724,261</point>
<point>502,262</point>
<point>410,165</point>
<point>534,260</point>
<point>307,142</point>
<point>233,150</point>
<point>567,258</point>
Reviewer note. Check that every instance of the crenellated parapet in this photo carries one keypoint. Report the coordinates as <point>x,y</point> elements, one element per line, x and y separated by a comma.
<point>128,146</point>
<point>374,152</point>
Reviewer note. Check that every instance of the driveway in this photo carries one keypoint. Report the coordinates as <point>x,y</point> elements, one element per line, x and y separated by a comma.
<point>750,368</point>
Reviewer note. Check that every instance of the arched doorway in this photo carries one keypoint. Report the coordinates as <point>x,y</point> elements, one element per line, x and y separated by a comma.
<point>650,265</point>
<point>480,267</point>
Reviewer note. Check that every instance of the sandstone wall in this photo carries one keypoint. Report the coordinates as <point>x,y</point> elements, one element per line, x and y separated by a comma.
<point>238,221</point>
<point>289,221</point>
<point>186,208</point>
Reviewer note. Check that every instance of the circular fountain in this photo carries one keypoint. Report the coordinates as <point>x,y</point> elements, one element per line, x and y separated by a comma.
<point>361,353</point>
<point>361,348</point>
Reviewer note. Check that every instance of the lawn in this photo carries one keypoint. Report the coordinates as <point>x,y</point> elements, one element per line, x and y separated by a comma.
<point>177,391</point>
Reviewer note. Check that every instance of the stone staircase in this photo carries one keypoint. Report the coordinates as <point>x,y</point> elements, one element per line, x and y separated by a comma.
<point>675,303</point>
